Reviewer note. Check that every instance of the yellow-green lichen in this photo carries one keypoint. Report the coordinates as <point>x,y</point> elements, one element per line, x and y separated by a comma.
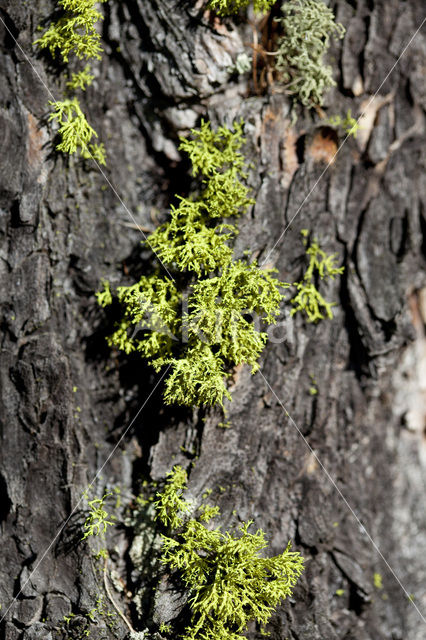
<point>229,582</point>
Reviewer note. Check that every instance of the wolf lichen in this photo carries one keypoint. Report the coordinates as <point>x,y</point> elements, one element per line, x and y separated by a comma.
<point>308,299</point>
<point>170,504</point>
<point>74,129</point>
<point>349,124</point>
<point>197,322</point>
<point>230,583</point>
<point>81,79</point>
<point>75,31</point>
<point>97,521</point>
<point>308,26</point>
<point>75,34</point>
<point>76,133</point>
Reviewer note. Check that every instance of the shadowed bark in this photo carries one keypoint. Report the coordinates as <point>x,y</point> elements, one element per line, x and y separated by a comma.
<point>66,400</point>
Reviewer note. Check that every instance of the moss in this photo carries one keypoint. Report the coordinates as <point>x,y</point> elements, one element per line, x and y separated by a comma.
<point>230,583</point>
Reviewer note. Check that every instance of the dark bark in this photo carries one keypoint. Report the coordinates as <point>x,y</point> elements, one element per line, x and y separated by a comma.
<point>66,399</point>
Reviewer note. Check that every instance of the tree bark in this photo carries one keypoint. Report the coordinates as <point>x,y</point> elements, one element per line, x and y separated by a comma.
<point>341,472</point>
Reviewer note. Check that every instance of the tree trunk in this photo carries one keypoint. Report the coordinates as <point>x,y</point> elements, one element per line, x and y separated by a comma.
<point>340,472</point>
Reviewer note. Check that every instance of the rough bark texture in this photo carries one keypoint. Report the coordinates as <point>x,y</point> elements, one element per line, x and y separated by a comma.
<point>66,399</point>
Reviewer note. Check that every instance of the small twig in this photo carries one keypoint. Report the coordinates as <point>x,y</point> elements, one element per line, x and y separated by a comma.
<point>108,592</point>
<point>259,49</point>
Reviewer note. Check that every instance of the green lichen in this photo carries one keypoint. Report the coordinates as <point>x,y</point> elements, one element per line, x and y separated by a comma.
<point>242,64</point>
<point>74,129</point>
<point>219,150</point>
<point>102,554</point>
<point>313,389</point>
<point>308,26</point>
<point>95,152</point>
<point>104,297</point>
<point>75,132</point>
<point>207,512</point>
<point>101,610</point>
<point>321,266</point>
<point>228,7</point>
<point>97,521</point>
<point>78,627</point>
<point>378,581</point>
<point>171,505</point>
<point>188,243</point>
<point>198,323</point>
<point>230,583</point>
<point>348,124</point>
<point>75,32</point>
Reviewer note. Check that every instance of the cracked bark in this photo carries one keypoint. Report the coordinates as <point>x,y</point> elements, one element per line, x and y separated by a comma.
<point>66,399</point>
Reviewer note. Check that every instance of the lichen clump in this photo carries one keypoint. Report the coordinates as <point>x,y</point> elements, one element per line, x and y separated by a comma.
<point>230,583</point>
<point>308,26</point>
<point>348,124</point>
<point>75,33</point>
<point>198,320</point>
<point>322,266</point>
<point>76,133</point>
